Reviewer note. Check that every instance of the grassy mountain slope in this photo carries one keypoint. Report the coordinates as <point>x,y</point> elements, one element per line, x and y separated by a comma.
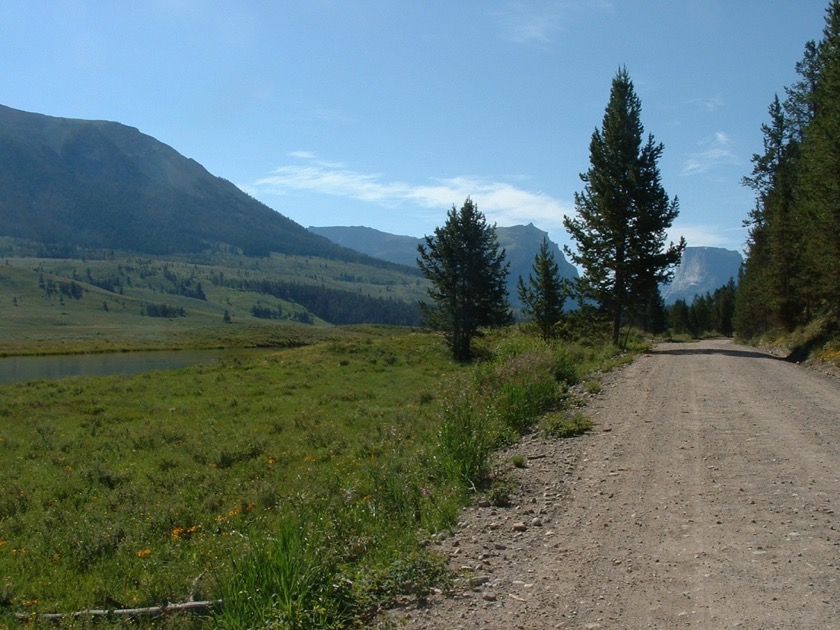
<point>104,185</point>
<point>141,301</point>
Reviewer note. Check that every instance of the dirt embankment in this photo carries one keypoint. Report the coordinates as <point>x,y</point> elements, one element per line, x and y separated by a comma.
<point>705,497</point>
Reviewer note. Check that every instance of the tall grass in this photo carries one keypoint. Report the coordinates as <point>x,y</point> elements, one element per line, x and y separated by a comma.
<point>282,581</point>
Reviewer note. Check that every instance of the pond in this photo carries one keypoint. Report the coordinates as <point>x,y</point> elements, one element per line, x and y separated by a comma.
<point>18,369</point>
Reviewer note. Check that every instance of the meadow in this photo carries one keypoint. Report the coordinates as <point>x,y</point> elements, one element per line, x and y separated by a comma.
<point>293,488</point>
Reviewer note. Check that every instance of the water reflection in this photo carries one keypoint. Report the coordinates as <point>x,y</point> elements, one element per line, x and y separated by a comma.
<point>18,369</point>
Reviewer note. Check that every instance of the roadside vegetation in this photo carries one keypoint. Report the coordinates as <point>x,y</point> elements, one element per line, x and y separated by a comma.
<point>293,488</point>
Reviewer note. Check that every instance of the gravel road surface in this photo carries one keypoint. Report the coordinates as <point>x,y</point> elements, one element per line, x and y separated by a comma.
<point>706,496</point>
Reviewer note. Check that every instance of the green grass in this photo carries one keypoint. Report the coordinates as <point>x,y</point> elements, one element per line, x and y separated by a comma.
<point>295,485</point>
<point>139,490</point>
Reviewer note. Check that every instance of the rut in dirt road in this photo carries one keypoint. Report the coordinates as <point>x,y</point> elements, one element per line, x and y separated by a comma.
<point>705,497</point>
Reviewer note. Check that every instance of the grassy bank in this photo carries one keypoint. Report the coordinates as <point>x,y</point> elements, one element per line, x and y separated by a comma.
<point>296,487</point>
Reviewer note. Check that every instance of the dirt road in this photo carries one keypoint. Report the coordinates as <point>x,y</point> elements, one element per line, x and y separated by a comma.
<point>707,496</point>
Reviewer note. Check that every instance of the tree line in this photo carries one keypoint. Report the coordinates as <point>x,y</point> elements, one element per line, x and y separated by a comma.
<point>791,274</point>
<point>713,312</point>
<point>622,215</point>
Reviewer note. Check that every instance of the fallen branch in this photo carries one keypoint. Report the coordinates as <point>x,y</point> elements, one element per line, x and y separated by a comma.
<point>150,611</point>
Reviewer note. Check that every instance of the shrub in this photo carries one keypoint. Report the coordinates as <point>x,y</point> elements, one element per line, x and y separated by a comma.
<point>563,425</point>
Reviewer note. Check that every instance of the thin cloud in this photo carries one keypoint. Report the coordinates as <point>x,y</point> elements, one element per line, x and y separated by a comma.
<point>713,104</point>
<point>529,22</point>
<point>501,202</point>
<point>716,153</point>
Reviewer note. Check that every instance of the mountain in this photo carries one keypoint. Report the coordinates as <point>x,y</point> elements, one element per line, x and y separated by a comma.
<point>103,185</point>
<point>391,247</point>
<point>701,270</point>
<point>520,242</point>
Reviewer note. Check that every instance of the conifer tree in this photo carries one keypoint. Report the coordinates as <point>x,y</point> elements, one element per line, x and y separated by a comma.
<point>622,213</point>
<point>776,235</point>
<point>821,169</point>
<point>791,274</point>
<point>545,292</point>
<point>467,273</point>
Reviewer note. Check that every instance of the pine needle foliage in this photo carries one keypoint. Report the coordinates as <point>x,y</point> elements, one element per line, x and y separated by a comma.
<point>545,293</point>
<point>467,272</point>
<point>622,213</point>
<point>791,278</point>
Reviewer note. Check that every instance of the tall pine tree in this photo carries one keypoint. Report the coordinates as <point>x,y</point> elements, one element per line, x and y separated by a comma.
<point>776,235</point>
<point>821,169</point>
<point>623,213</point>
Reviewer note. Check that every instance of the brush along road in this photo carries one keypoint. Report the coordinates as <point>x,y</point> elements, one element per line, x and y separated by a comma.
<point>706,496</point>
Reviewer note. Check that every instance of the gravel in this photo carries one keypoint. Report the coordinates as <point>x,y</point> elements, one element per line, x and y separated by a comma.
<point>704,497</point>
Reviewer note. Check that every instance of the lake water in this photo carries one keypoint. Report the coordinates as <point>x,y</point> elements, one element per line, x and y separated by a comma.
<point>18,369</point>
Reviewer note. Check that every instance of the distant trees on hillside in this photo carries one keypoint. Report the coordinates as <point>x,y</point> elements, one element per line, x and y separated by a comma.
<point>791,273</point>
<point>67,289</point>
<point>336,306</point>
<point>162,310</point>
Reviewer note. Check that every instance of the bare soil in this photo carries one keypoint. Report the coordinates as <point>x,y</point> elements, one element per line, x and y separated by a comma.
<point>705,497</point>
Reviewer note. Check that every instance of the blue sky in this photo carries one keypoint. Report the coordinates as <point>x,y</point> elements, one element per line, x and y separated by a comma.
<point>386,113</point>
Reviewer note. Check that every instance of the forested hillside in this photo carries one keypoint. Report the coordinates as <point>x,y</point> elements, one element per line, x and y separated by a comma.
<point>792,276</point>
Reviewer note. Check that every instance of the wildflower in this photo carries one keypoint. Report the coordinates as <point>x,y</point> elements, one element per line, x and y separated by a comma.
<point>144,553</point>
<point>271,461</point>
<point>178,532</point>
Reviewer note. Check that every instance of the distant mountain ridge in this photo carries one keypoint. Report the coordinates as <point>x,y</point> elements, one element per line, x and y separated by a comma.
<point>104,185</point>
<point>520,242</point>
<point>702,269</point>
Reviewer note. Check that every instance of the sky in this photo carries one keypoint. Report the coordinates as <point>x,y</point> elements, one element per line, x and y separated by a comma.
<point>386,113</point>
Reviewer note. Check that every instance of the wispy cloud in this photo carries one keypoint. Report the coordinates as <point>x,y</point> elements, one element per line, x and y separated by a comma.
<point>529,22</point>
<point>501,202</point>
<point>710,104</point>
<point>716,151</point>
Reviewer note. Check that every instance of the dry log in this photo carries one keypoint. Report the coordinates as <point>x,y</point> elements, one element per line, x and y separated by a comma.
<point>150,611</point>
